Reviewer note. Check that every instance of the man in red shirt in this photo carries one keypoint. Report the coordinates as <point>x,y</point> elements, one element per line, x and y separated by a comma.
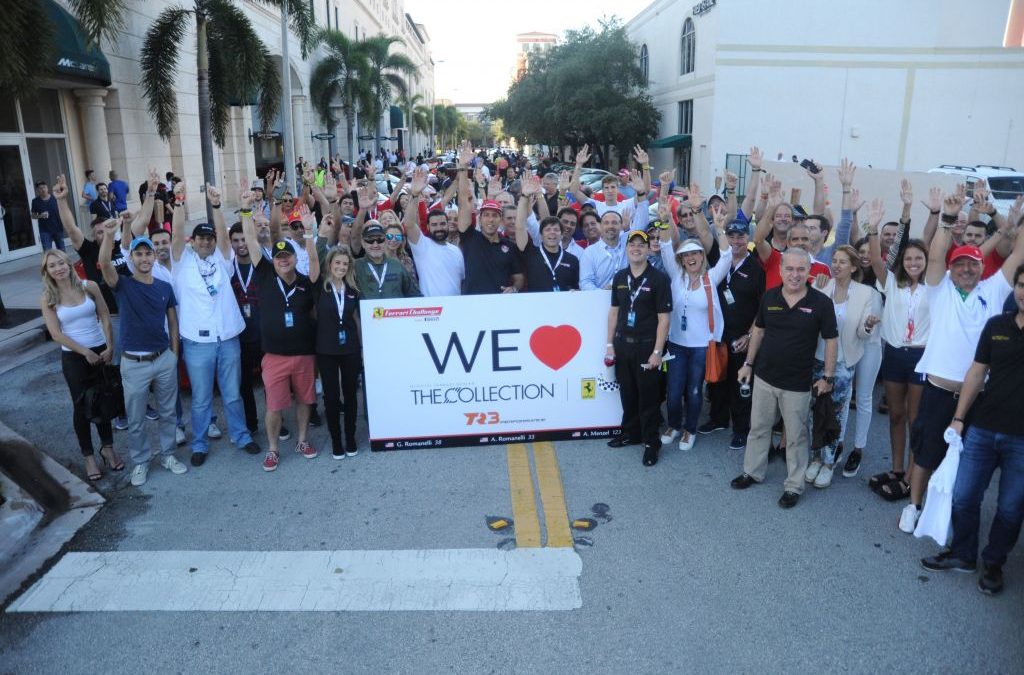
<point>796,237</point>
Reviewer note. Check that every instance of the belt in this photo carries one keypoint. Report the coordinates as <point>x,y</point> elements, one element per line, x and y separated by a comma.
<point>143,357</point>
<point>634,341</point>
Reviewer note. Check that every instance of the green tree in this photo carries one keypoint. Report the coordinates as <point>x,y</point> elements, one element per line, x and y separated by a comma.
<point>388,75</point>
<point>417,115</point>
<point>343,77</point>
<point>549,106</point>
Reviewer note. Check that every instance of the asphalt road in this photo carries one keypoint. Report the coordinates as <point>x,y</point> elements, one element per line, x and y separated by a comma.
<point>687,575</point>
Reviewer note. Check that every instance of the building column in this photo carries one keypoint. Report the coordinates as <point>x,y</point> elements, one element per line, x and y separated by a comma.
<point>91,104</point>
<point>299,130</point>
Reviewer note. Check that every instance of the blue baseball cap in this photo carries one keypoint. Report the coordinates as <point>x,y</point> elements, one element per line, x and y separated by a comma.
<point>141,241</point>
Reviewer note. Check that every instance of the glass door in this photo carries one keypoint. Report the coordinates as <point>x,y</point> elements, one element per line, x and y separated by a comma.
<point>18,236</point>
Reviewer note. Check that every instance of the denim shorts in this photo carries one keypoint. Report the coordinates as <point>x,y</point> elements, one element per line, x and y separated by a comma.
<point>935,413</point>
<point>898,364</point>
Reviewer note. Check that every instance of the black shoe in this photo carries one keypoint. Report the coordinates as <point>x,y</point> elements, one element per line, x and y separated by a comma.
<point>623,441</point>
<point>788,499</point>
<point>945,561</point>
<point>314,418</point>
<point>252,447</point>
<point>284,434</point>
<point>338,453</point>
<point>738,442</point>
<point>991,581</point>
<point>852,464</point>
<point>742,482</point>
<point>710,428</point>
<point>198,458</point>
<point>651,454</point>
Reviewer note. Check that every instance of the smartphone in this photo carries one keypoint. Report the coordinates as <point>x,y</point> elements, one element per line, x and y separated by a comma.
<point>810,166</point>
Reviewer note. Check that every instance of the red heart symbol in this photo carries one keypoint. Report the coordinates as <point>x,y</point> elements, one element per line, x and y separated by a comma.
<point>554,346</point>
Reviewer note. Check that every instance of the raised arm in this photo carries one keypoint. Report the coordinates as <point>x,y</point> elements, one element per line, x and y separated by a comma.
<point>951,206</point>
<point>309,238</point>
<point>878,264</point>
<point>731,181</point>
<point>764,225</point>
<point>755,160</point>
<point>701,226</point>
<point>1016,257</point>
<point>934,206</point>
<point>249,227</point>
<point>106,247</point>
<point>999,238</point>
<point>582,157</point>
<point>67,216</point>
<point>178,222</point>
<point>410,219</point>
<point>818,178</point>
<point>531,186</point>
<point>140,224</point>
<point>643,162</point>
<point>465,192</point>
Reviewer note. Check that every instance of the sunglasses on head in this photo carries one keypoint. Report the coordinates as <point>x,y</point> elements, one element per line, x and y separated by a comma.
<point>394,237</point>
<point>374,240</point>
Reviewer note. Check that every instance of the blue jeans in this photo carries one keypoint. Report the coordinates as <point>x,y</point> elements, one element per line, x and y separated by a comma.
<point>983,451</point>
<point>841,390</point>
<point>204,360</point>
<point>48,241</point>
<point>685,374</point>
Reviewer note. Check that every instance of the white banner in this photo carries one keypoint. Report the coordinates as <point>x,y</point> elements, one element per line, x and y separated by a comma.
<point>472,370</point>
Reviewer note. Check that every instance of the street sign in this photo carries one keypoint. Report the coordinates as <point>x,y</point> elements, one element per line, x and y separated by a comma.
<point>365,137</point>
<point>324,137</point>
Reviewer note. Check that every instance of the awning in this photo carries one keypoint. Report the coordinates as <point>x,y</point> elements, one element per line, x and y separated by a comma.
<point>676,141</point>
<point>74,59</point>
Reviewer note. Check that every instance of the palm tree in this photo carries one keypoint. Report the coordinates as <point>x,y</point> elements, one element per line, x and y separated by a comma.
<point>342,76</point>
<point>411,107</point>
<point>388,75</point>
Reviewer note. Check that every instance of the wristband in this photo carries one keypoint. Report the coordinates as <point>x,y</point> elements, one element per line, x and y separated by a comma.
<point>214,206</point>
<point>609,345</point>
<point>748,364</point>
<point>935,212</point>
<point>946,218</point>
<point>245,212</point>
<point>870,234</point>
<point>657,351</point>
<point>958,419</point>
<point>150,194</point>
<point>308,235</point>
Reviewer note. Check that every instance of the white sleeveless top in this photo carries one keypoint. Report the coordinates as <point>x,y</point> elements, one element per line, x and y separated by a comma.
<point>80,323</point>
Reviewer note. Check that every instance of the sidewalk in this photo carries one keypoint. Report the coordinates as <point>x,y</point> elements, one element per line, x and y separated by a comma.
<point>22,337</point>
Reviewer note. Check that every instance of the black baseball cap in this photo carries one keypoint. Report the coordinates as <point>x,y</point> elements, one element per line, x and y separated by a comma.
<point>283,247</point>
<point>203,230</point>
<point>373,230</point>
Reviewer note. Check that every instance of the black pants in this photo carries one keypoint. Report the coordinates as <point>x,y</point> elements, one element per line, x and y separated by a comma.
<point>79,374</point>
<point>252,355</point>
<point>341,399</point>
<point>726,401</point>
<point>639,391</point>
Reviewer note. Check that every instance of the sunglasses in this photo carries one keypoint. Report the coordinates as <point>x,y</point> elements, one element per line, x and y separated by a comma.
<point>296,225</point>
<point>374,240</point>
<point>394,237</point>
<point>286,201</point>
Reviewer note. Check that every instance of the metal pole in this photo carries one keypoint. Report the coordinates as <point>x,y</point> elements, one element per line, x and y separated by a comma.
<point>433,141</point>
<point>286,104</point>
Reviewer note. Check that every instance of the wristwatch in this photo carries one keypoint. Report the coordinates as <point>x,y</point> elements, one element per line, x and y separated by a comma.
<point>829,379</point>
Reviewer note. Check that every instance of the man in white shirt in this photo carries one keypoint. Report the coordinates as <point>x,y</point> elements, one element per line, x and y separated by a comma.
<point>439,263</point>
<point>602,259</point>
<point>960,303</point>
<point>209,323</point>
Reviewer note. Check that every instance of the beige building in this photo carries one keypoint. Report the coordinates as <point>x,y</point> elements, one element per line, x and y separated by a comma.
<point>91,115</point>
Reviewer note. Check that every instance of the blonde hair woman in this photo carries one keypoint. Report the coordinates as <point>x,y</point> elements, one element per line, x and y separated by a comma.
<point>78,320</point>
<point>338,347</point>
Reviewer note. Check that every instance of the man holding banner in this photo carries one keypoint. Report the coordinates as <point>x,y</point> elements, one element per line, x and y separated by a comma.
<point>638,324</point>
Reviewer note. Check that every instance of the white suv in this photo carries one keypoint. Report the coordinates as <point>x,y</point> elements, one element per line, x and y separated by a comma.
<point>1004,182</point>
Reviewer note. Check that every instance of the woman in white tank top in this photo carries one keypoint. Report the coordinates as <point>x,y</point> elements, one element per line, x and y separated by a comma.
<point>77,319</point>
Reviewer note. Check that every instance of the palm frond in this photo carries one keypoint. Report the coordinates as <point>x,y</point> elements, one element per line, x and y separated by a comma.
<point>323,88</point>
<point>301,20</point>
<point>28,24</point>
<point>99,18</point>
<point>270,90</point>
<point>159,63</point>
<point>240,49</point>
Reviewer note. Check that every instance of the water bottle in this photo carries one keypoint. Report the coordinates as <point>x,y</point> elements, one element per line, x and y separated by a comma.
<point>745,389</point>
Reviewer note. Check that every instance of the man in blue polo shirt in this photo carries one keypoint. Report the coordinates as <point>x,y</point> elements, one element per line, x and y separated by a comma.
<point>119,189</point>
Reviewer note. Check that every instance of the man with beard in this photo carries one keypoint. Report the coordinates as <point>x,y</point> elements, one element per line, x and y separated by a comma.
<point>440,264</point>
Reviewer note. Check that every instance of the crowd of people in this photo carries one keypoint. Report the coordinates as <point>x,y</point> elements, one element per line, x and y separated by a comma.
<point>785,316</point>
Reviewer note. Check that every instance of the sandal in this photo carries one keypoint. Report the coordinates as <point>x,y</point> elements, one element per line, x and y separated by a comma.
<point>95,476</point>
<point>879,479</point>
<point>894,491</point>
<point>118,467</point>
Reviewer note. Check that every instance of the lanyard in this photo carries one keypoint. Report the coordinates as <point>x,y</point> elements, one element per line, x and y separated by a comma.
<point>728,276</point>
<point>381,277</point>
<point>633,295</point>
<point>206,269</point>
<point>911,311</point>
<point>288,295</point>
<point>248,279</point>
<point>544,256</point>
<point>339,301</point>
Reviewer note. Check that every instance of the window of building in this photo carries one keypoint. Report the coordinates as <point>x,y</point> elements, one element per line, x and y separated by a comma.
<point>687,48</point>
<point>686,117</point>
<point>644,64</point>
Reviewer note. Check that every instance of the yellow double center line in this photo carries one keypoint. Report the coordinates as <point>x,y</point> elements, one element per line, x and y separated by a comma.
<point>552,496</point>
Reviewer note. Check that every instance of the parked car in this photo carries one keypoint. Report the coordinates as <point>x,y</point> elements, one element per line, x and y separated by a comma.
<point>1004,182</point>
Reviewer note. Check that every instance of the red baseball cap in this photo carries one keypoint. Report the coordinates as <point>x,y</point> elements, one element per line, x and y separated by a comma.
<point>491,205</point>
<point>624,173</point>
<point>967,251</point>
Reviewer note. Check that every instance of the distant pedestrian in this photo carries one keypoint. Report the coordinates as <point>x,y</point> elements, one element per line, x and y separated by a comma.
<point>120,190</point>
<point>44,211</point>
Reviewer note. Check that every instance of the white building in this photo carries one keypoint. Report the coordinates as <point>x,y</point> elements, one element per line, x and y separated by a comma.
<point>91,115</point>
<point>896,85</point>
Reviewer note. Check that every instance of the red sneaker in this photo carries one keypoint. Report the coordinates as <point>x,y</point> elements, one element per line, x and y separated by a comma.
<point>306,450</point>
<point>270,461</point>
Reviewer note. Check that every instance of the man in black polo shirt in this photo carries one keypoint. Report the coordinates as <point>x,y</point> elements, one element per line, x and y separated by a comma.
<point>740,296</point>
<point>492,261</point>
<point>785,336</point>
<point>549,267</point>
<point>638,324</point>
<point>994,439</point>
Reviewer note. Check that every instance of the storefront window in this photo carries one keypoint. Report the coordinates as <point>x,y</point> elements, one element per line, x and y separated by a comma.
<point>8,116</point>
<point>48,158</point>
<point>42,114</point>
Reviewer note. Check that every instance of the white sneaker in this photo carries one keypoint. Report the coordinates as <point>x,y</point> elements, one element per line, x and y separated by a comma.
<point>319,387</point>
<point>811,474</point>
<point>908,519</point>
<point>687,440</point>
<point>213,431</point>
<point>179,436</point>
<point>139,474</point>
<point>824,477</point>
<point>171,463</point>
<point>669,436</point>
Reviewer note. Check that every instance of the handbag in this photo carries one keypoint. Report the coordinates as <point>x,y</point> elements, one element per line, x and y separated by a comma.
<point>716,363</point>
<point>104,397</point>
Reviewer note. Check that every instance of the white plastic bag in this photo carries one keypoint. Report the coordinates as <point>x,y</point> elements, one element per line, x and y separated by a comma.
<point>936,519</point>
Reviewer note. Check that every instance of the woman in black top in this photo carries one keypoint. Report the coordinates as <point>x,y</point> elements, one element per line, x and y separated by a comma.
<point>338,347</point>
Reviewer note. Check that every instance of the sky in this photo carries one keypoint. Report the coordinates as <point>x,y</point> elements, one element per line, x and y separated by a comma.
<point>473,41</point>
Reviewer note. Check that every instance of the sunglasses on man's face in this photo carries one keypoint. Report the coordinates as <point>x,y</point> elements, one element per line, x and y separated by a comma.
<point>296,225</point>
<point>374,240</point>
<point>286,201</point>
<point>394,237</point>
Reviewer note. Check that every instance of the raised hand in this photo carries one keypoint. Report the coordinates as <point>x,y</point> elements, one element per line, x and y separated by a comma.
<point>179,191</point>
<point>308,219</point>
<point>530,185</point>
<point>934,202</point>
<point>718,213</point>
<point>419,181</point>
<point>875,214</point>
<point>564,180</point>
<point>152,180</point>
<point>326,226</point>
<point>367,197</point>
<point>981,195</point>
<point>478,177</point>
<point>583,156</point>
<point>731,180</point>
<point>494,187</point>
<point>906,192</point>
<point>755,159</point>
<point>695,199</point>
<point>213,195</point>
<point>855,200</point>
<point>640,155</point>
<point>465,154</point>
<point>774,187</point>
<point>1016,209</point>
<point>816,176</point>
<point>308,175</point>
<point>952,204</point>
<point>60,187</point>
<point>666,179</point>
<point>636,181</point>
<point>246,198</point>
<point>846,171</point>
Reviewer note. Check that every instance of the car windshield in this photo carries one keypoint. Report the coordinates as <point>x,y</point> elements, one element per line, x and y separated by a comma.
<point>1006,187</point>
